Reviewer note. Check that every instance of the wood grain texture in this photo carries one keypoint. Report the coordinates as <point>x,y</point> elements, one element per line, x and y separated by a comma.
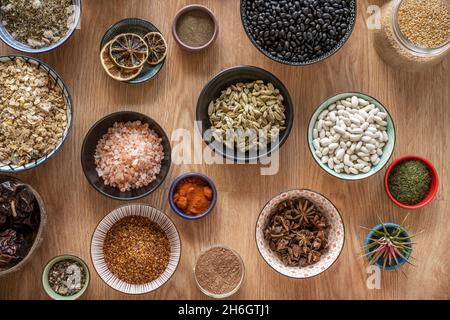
<point>418,103</point>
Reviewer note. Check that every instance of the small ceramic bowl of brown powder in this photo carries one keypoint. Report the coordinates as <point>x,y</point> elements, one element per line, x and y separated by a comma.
<point>195,27</point>
<point>135,249</point>
<point>219,272</point>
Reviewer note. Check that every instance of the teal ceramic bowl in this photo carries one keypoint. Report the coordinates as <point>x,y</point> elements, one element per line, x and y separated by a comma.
<point>387,150</point>
<point>390,227</point>
<point>140,27</point>
<point>47,288</point>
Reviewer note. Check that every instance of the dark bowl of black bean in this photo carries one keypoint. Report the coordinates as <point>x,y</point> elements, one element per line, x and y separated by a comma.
<point>298,32</point>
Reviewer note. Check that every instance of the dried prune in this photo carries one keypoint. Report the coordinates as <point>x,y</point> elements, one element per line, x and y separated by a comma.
<point>13,248</point>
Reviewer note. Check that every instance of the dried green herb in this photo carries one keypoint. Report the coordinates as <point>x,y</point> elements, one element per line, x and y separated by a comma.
<point>37,23</point>
<point>409,181</point>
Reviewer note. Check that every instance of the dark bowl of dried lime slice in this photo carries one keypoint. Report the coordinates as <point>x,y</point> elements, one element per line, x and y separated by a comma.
<point>141,30</point>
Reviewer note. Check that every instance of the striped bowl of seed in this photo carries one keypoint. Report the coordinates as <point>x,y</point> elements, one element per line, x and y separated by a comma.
<point>135,249</point>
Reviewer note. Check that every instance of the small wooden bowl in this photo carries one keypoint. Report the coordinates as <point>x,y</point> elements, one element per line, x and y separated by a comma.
<point>186,9</point>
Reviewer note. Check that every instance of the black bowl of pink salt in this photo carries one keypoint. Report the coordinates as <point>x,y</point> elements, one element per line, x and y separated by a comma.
<point>195,28</point>
<point>126,155</point>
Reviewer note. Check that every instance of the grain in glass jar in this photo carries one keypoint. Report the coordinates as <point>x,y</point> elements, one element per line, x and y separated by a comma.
<point>414,34</point>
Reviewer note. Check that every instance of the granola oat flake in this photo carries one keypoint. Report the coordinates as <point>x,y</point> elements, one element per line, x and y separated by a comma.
<point>33,113</point>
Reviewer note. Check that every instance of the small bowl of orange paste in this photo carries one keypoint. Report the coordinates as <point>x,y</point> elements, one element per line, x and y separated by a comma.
<point>192,195</point>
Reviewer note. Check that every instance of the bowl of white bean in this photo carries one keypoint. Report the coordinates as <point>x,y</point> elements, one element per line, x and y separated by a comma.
<point>351,136</point>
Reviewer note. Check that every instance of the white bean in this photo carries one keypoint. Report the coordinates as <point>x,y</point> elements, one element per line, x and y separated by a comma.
<point>340,153</point>
<point>325,142</point>
<point>315,133</point>
<point>331,164</point>
<point>366,169</point>
<point>333,146</point>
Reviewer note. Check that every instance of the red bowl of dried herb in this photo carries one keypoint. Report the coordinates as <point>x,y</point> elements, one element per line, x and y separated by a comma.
<point>411,182</point>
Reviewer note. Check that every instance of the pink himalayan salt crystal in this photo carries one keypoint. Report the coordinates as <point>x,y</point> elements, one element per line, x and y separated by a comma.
<point>129,156</point>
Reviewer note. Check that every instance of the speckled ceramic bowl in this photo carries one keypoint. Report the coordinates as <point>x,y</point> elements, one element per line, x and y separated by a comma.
<point>141,28</point>
<point>387,150</point>
<point>102,229</point>
<point>48,289</point>
<point>6,37</point>
<point>336,235</point>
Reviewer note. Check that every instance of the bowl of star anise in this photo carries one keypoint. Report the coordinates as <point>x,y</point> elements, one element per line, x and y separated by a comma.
<point>300,233</point>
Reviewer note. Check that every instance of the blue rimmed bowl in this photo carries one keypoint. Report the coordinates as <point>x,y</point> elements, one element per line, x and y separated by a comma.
<point>192,175</point>
<point>69,113</point>
<point>140,27</point>
<point>8,39</point>
<point>387,150</point>
<point>390,227</point>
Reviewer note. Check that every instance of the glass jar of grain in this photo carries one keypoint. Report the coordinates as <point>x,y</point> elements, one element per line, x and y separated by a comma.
<point>414,34</point>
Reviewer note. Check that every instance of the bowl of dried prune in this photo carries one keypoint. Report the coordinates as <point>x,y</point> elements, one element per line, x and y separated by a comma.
<point>22,219</point>
<point>300,233</point>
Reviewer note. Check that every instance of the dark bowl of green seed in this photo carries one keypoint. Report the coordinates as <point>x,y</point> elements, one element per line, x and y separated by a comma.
<point>411,182</point>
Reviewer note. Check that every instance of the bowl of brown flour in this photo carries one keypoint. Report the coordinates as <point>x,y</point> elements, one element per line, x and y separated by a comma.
<point>195,27</point>
<point>219,272</point>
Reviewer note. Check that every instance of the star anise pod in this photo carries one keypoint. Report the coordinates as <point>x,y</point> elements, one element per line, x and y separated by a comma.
<point>307,211</point>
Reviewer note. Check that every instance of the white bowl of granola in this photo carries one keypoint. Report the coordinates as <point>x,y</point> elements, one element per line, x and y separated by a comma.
<point>36,111</point>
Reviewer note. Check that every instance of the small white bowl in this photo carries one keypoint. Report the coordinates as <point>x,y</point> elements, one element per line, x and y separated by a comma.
<point>99,237</point>
<point>336,235</point>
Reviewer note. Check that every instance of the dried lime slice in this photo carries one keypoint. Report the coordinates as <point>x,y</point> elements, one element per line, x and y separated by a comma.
<point>157,47</point>
<point>113,70</point>
<point>129,51</point>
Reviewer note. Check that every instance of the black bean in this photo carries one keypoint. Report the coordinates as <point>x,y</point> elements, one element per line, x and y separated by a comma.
<point>298,30</point>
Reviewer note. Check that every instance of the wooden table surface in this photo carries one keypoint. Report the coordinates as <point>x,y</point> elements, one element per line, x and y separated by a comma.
<point>418,103</point>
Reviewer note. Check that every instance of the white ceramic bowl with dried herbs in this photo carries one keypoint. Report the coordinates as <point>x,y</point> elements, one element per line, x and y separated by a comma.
<point>26,25</point>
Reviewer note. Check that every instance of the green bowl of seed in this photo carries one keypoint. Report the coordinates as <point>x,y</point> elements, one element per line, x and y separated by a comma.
<point>65,277</point>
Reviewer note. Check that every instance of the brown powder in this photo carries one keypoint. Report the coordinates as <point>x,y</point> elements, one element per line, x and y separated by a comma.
<point>136,250</point>
<point>219,270</point>
<point>195,28</point>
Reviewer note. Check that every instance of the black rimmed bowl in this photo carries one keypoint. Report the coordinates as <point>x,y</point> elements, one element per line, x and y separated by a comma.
<point>246,23</point>
<point>9,168</point>
<point>141,28</point>
<point>88,151</point>
<point>9,40</point>
<point>212,91</point>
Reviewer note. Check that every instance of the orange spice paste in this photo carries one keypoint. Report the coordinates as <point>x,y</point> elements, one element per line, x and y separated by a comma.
<point>193,195</point>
